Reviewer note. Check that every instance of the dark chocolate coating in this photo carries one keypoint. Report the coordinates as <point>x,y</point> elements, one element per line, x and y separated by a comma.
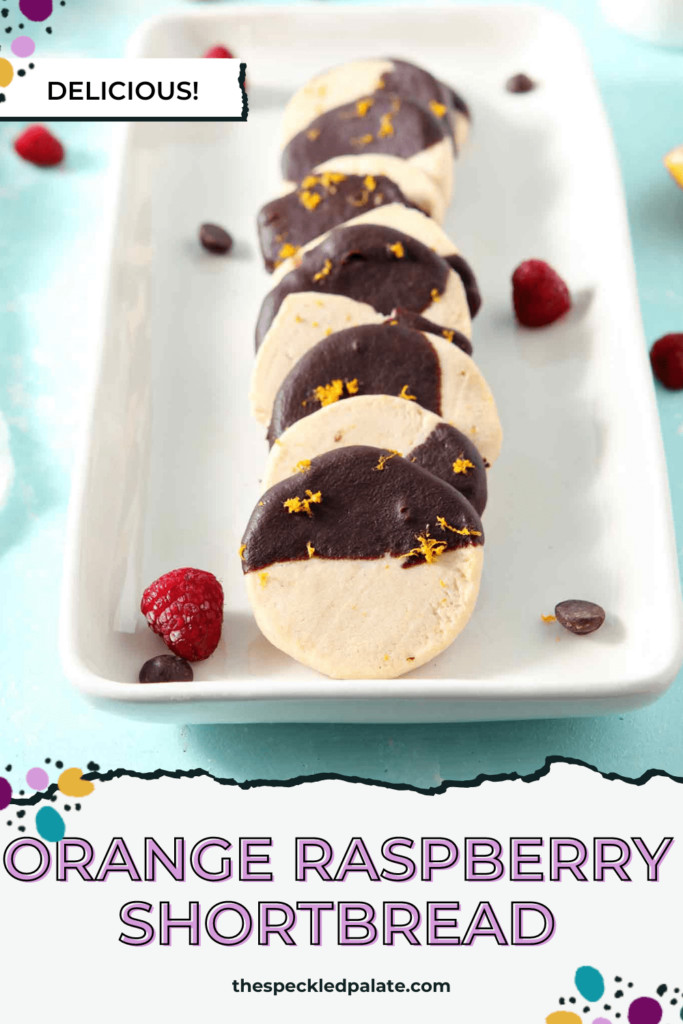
<point>466,275</point>
<point>343,130</point>
<point>458,102</point>
<point>288,220</point>
<point>357,262</point>
<point>412,82</point>
<point>421,323</point>
<point>363,512</point>
<point>444,446</point>
<point>381,358</point>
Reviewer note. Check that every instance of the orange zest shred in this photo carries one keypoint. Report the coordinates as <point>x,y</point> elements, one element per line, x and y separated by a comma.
<point>310,200</point>
<point>309,181</point>
<point>313,134</point>
<point>435,295</point>
<point>369,183</point>
<point>287,251</point>
<point>352,386</point>
<point>548,618</point>
<point>448,335</point>
<point>329,393</point>
<point>428,547</point>
<point>386,127</point>
<point>398,250</point>
<point>243,548</point>
<point>324,271</point>
<point>404,393</point>
<point>297,504</point>
<point>437,108</point>
<point>361,200</point>
<point>263,578</point>
<point>362,140</point>
<point>329,178</point>
<point>465,532</point>
<point>302,466</point>
<point>462,465</point>
<point>362,106</point>
<point>310,549</point>
<point>383,459</point>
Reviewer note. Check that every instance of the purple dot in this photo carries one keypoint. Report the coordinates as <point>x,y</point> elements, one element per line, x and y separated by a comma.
<point>5,793</point>
<point>644,1011</point>
<point>36,10</point>
<point>601,1020</point>
<point>23,46</point>
<point>37,778</point>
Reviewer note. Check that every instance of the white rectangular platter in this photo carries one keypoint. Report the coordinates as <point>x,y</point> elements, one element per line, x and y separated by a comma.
<point>578,503</point>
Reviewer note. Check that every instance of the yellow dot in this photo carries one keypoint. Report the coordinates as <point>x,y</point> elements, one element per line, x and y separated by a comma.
<point>6,72</point>
<point>563,1017</point>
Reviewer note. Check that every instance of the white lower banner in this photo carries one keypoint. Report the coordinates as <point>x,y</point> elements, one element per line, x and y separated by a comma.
<point>499,902</point>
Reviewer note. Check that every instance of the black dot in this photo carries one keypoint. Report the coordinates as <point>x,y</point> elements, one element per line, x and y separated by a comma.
<point>59,764</point>
<point>617,1015</point>
<point>53,798</point>
<point>2,97</point>
<point>586,1009</point>
<point>78,807</point>
<point>675,990</point>
<point>630,984</point>
<point>561,1001</point>
<point>21,792</point>
<point>5,12</point>
<point>8,29</point>
<point>8,768</point>
<point>21,26</point>
<point>9,822</point>
<point>618,994</point>
<point>47,760</point>
<point>607,1006</point>
<point>673,1002</point>
<point>617,979</point>
<point>31,66</point>
<point>21,73</point>
<point>22,828</point>
<point>67,807</point>
<point>571,999</point>
<point>661,989</point>
<point>21,814</point>
<point>93,767</point>
<point>49,31</point>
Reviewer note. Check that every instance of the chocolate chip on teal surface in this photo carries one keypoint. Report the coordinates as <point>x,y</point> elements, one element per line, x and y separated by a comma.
<point>520,83</point>
<point>215,239</point>
<point>166,668</point>
<point>580,617</point>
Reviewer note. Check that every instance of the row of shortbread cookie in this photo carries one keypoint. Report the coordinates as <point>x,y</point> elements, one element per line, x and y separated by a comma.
<point>363,557</point>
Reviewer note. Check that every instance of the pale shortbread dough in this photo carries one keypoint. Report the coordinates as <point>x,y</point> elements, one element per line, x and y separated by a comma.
<point>304,318</point>
<point>366,618</point>
<point>381,421</point>
<point>415,183</point>
<point>394,215</point>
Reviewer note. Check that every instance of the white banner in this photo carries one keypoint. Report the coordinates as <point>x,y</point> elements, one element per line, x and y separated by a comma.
<point>124,89</point>
<point>502,902</point>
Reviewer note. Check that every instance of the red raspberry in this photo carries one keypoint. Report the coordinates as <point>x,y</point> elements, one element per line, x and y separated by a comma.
<point>218,51</point>
<point>666,356</point>
<point>39,146</point>
<point>185,608</point>
<point>539,295</point>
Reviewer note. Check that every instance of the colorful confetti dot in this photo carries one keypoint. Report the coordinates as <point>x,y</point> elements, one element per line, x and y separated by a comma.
<point>590,983</point>
<point>6,72</point>
<point>37,778</point>
<point>23,46</point>
<point>563,1017</point>
<point>601,1020</point>
<point>71,783</point>
<point>644,1011</point>
<point>36,10</point>
<point>50,823</point>
<point>5,793</point>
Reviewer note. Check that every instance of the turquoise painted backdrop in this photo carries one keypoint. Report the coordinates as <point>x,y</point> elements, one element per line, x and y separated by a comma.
<point>50,248</point>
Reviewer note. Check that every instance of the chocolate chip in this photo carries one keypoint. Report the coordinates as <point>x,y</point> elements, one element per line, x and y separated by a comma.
<point>580,616</point>
<point>215,239</point>
<point>520,83</point>
<point>166,668</point>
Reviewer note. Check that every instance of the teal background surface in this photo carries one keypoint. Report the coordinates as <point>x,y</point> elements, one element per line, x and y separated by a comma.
<point>50,256</point>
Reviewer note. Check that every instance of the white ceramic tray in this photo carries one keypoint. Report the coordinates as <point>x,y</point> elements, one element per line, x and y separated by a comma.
<point>579,503</point>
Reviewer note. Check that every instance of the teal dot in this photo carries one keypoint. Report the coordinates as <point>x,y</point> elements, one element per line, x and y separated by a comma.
<point>590,983</point>
<point>50,824</point>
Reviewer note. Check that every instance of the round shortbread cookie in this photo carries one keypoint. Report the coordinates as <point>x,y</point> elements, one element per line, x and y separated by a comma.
<point>383,421</point>
<point>377,265</point>
<point>391,359</point>
<point>386,124</point>
<point>364,566</point>
<point>411,222</point>
<point>365,78</point>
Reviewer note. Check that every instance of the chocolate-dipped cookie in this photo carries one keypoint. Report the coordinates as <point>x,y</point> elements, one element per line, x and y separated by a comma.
<point>382,421</point>
<point>385,123</point>
<point>411,222</point>
<point>378,266</point>
<point>362,79</point>
<point>365,565</point>
<point>391,359</point>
